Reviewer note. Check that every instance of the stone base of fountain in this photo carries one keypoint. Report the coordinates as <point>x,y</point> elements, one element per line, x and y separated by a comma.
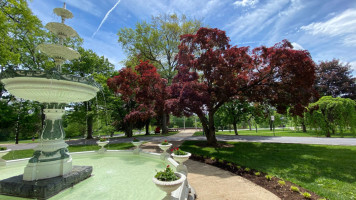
<point>45,170</point>
<point>45,188</point>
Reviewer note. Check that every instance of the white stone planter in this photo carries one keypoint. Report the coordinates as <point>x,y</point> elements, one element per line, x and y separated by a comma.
<point>2,153</point>
<point>102,145</point>
<point>170,186</point>
<point>137,145</point>
<point>181,158</point>
<point>165,155</point>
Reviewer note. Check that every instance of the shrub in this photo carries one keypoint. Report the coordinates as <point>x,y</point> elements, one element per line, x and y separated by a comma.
<point>221,161</point>
<point>165,142</point>
<point>307,195</point>
<point>247,169</point>
<point>294,189</point>
<point>2,148</point>
<point>257,173</point>
<point>269,177</point>
<point>238,167</point>
<point>281,182</point>
<point>229,164</point>
<point>166,175</point>
<point>178,152</point>
<point>213,158</point>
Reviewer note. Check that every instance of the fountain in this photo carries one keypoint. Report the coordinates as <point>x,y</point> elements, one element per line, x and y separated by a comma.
<point>51,162</point>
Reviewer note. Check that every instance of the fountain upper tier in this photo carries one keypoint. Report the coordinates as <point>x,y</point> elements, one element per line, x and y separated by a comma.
<point>50,87</point>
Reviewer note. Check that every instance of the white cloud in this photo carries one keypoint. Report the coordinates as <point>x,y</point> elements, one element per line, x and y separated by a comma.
<point>342,25</point>
<point>353,65</point>
<point>254,22</point>
<point>297,46</point>
<point>246,3</point>
<point>86,6</point>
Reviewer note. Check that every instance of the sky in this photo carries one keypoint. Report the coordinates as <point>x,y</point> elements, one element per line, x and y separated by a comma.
<point>326,28</point>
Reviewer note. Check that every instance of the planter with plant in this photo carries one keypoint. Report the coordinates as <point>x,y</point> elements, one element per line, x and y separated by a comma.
<point>3,151</point>
<point>137,143</point>
<point>181,156</point>
<point>102,142</point>
<point>168,181</point>
<point>164,146</point>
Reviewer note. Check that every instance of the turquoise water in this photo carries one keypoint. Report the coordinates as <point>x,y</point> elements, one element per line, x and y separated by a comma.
<point>116,177</point>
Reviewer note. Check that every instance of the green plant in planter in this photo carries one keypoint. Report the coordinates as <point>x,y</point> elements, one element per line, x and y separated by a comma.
<point>178,152</point>
<point>3,148</point>
<point>102,139</point>
<point>307,195</point>
<point>165,142</point>
<point>294,189</point>
<point>281,182</point>
<point>135,140</point>
<point>269,177</point>
<point>166,175</point>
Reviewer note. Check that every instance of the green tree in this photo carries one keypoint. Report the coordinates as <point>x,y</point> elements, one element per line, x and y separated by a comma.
<point>157,42</point>
<point>330,114</point>
<point>89,64</point>
<point>234,112</point>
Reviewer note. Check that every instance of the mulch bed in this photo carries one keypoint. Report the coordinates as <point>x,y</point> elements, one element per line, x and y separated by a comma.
<point>282,191</point>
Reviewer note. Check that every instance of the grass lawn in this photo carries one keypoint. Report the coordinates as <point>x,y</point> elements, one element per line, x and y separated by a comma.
<point>328,171</point>
<point>278,132</point>
<point>18,154</point>
<point>20,141</point>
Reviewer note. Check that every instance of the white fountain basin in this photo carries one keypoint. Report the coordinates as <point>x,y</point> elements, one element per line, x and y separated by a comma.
<point>49,90</point>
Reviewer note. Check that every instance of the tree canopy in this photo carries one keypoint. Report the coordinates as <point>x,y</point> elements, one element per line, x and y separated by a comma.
<point>334,79</point>
<point>330,114</point>
<point>211,72</point>
<point>157,42</point>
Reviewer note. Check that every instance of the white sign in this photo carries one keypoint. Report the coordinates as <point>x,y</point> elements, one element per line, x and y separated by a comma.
<point>272,118</point>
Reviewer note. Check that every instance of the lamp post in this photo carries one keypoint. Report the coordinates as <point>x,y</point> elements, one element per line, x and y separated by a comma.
<point>272,119</point>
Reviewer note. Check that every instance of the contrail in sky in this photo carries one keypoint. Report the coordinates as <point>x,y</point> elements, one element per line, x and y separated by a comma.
<point>106,16</point>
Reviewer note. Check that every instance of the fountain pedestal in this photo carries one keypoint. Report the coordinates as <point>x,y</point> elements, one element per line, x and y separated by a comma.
<point>51,157</point>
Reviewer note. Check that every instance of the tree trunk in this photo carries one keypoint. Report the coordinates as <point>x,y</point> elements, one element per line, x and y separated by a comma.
<point>43,117</point>
<point>128,129</point>
<point>328,133</point>
<point>17,134</point>
<point>164,123</point>
<point>304,128</point>
<point>210,133</point>
<point>235,128</point>
<point>89,121</point>
<point>148,127</point>
<point>249,124</point>
<point>270,125</point>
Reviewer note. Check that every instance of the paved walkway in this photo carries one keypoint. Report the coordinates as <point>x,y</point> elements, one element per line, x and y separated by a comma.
<point>211,183</point>
<point>187,135</point>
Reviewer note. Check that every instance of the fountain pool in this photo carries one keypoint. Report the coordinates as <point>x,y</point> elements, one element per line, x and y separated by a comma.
<point>116,175</point>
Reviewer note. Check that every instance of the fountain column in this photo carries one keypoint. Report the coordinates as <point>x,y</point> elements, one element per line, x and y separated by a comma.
<point>51,157</point>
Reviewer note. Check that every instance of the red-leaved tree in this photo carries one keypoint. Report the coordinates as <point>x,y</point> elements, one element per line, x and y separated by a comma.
<point>142,87</point>
<point>211,73</point>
